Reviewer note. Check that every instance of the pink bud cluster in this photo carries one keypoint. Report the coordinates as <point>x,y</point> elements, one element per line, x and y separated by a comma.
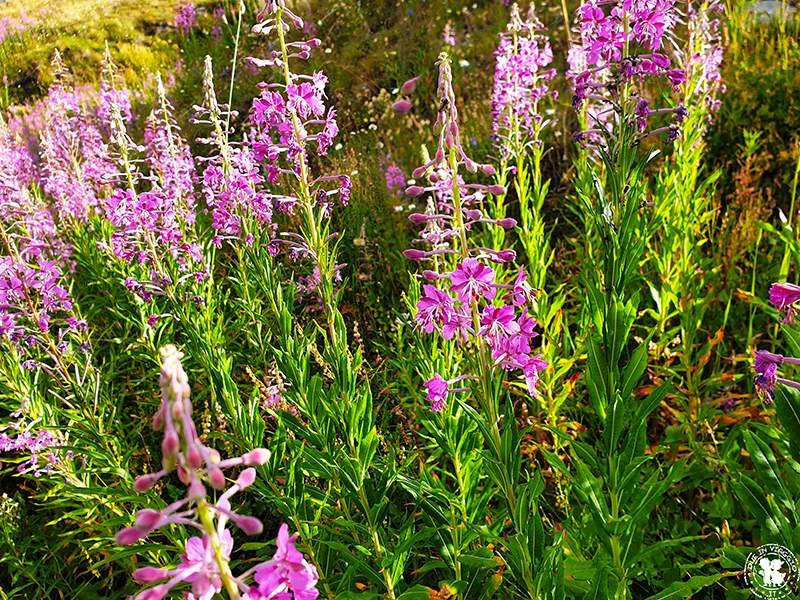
<point>521,80</point>
<point>205,564</point>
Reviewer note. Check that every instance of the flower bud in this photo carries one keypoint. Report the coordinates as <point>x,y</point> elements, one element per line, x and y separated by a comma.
<point>402,106</point>
<point>487,169</point>
<point>147,519</point>
<point>497,190</point>
<point>170,443</point>
<point>507,223</point>
<point>431,275</point>
<point>472,214</point>
<point>418,218</point>
<point>154,593</point>
<point>256,457</point>
<point>415,190</point>
<point>409,86</point>
<point>413,254</point>
<point>249,525</point>
<point>246,478</point>
<point>149,574</point>
<point>419,172</point>
<point>128,536</point>
<point>216,478</point>
<point>145,482</point>
<point>193,457</point>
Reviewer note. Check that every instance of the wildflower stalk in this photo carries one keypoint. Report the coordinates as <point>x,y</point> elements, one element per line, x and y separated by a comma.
<point>206,517</point>
<point>313,230</point>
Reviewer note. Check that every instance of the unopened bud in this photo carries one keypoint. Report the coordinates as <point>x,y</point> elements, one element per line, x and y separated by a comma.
<point>249,525</point>
<point>402,106</point>
<point>128,536</point>
<point>145,482</point>
<point>246,478</point>
<point>256,457</point>
<point>412,254</point>
<point>507,223</point>
<point>147,519</point>
<point>216,478</point>
<point>409,86</point>
<point>149,574</point>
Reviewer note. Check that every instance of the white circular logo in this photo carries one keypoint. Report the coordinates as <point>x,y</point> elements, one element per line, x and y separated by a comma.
<point>771,571</point>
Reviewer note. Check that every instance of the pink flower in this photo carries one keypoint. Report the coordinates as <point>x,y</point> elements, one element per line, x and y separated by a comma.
<point>473,280</point>
<point>784,297</point>
<point>305,99</point>
<point>521,292</point>
<point>438,389</point>
<point>531,371</point>
<point>434,309</point>
<point>199,557</point>
<point>766,368</point>
<point>287,573</point>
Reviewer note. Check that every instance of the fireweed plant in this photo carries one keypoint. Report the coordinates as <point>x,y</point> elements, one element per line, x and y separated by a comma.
<point>685,215</point>
<point>618,49</point>
<point>521,98</point>
<point>468,304</point>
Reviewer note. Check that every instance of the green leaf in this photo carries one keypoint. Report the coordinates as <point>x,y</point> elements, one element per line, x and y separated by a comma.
<point>787,407</point>
<point>684,589</point>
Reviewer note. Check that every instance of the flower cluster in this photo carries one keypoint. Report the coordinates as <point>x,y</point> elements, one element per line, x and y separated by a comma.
<point>289,121</point>
<point>786,298</point>
<point>705,53</point>
<point>621,43</point>
<point>153,212</point>
<point>34,262</point>
<point>186,18</point>
<point>521,79</point>
<point>470,308</point>
<point>76,165</point>
<point>205,564</point>
<point>42,444</point>
<point>395,178</point>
